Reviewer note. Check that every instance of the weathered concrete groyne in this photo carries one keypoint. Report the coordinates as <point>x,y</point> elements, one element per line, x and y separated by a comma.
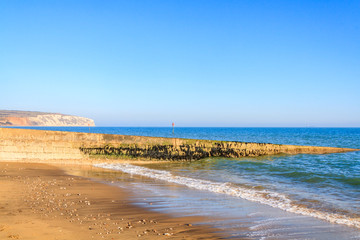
<point>38,145</point>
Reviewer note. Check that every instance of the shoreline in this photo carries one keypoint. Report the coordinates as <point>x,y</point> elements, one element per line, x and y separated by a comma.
<point>50,154</point>
<point>42,201</point>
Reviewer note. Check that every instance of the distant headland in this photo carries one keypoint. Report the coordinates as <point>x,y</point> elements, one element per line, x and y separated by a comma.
<point>30,118</point>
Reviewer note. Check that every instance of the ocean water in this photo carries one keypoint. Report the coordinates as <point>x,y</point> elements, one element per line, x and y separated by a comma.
<point>301,196</point>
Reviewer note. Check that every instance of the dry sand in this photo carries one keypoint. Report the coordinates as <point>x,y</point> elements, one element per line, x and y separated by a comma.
<point>40,201</point>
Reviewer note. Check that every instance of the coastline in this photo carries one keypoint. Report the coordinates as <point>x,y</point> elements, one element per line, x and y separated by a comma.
<point>42,201</point>
<point>61,151</point>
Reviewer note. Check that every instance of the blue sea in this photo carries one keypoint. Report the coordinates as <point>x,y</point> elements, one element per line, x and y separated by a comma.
<point>305,196</point>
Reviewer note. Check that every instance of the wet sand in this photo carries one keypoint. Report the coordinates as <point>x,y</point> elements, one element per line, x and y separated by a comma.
<point>40,201</point>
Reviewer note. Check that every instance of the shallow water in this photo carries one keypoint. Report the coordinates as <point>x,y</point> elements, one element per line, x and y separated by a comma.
<point>234,216</point>
<point>289,197</point>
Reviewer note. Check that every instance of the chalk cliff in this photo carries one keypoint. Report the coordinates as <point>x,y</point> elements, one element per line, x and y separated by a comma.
<point>27,118</point>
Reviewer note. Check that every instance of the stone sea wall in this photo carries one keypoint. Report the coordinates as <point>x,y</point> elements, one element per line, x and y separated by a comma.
<point>39,145</point>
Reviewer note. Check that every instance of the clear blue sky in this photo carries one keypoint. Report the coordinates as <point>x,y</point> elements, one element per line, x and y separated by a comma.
<point>197,63</point>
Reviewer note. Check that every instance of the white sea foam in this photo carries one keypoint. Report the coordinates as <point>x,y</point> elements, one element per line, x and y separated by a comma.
<point>272,199</point>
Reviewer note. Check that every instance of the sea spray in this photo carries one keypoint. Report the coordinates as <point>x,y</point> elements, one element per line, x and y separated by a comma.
<point>267,197</point>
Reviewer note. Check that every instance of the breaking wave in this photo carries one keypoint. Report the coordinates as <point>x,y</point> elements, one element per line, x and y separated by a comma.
<point>272,199</point>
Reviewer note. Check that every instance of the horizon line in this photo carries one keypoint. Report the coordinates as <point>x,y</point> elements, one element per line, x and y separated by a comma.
<point>190,126</point>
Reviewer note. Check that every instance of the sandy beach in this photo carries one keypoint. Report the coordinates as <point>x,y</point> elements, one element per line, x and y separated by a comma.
<point>41,201</point>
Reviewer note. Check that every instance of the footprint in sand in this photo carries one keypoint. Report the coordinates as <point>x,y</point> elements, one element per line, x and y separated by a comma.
<point>3,227</point>
<point>13,236</point>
